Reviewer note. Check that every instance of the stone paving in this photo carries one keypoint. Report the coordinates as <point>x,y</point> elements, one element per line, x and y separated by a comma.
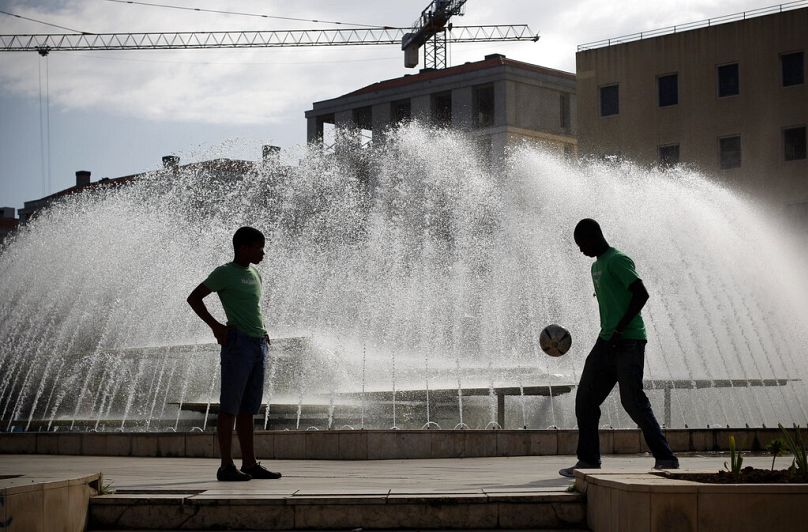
<point>321,477</point>
<point>472,493</point>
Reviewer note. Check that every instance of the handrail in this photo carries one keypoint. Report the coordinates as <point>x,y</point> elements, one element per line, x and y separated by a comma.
<point>788,6</point>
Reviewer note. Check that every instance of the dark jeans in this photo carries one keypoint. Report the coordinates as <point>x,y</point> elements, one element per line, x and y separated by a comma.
<point>603,368</point>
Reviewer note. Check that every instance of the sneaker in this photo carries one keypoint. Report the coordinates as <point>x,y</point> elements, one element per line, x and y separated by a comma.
<point>259,471</point>
<point>569,472</point>
<point>231,474</point>
<point>671,463</point>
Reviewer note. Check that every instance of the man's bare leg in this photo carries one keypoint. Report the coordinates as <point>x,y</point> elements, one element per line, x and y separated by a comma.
<point>245,428</point>
<point>224,430</point>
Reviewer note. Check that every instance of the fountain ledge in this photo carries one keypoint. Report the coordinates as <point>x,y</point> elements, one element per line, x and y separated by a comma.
<point>377,444</point>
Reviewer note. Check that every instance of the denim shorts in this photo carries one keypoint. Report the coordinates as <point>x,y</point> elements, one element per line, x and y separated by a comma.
<point>242,361</point>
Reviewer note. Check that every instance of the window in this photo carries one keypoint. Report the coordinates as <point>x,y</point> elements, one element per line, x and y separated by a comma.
<point>730,152</point>
<point>668,90</point>
<point>729,83</point>
<point>400,110</point>
<point>363,120</point>
<point>794,143</point>
<point>564,102</point>
<point>442,108</point>
<point>669,155</point>
<point>793,66</point>
<point>363,117</point>
<point>485,149</point>
<point>569,150</point>
<point>483,106</point>
<point>609,100</point>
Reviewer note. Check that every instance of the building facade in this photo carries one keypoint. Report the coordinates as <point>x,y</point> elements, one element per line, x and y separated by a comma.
<point>730,99</point>
<point>497,100</point>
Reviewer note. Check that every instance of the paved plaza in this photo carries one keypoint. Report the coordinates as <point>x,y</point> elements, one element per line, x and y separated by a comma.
<point>179,493</point>
<point>335,477</point>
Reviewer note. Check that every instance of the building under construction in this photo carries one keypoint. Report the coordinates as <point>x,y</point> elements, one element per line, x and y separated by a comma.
<point>497,100</point>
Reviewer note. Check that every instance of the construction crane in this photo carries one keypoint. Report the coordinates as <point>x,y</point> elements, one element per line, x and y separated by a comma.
<point>45,43</point>
<point>432,29</point>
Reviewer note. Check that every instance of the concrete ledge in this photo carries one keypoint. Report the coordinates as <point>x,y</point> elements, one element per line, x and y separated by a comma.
<point>376,444</point>
<point>34,504</point>
<point>643,501</point>
<point>384,510</point>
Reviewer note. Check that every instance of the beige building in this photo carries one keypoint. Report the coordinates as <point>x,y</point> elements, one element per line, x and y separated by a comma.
<point>729,97</point>
<point>498,100</point>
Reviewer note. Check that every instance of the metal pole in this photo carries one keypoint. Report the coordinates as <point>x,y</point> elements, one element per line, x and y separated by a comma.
<point>501,409</point>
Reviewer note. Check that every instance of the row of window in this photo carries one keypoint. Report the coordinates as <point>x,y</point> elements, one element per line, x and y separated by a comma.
<point>728,83</point>
<point>482,108</point>
<point>729,149</point>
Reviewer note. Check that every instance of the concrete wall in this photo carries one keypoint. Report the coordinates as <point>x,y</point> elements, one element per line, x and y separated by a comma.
<point>758,114</point>
<point>377,444</point>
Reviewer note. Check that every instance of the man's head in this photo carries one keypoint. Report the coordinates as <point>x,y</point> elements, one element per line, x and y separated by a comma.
<point>590,238</point>
<point>248,245</point>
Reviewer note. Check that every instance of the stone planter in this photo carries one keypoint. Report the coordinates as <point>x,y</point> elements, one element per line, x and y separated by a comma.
<point>46,503</point>
<point>644,501</point>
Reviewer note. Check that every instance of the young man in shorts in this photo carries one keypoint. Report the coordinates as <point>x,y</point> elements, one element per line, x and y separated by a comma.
<point>244,342</point>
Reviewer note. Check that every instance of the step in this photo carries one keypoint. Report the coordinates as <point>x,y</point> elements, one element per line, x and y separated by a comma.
<point>386,509</point>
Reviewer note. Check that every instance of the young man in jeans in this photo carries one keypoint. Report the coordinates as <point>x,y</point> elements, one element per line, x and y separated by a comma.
<point>618,355</point>
<point>244,342</point>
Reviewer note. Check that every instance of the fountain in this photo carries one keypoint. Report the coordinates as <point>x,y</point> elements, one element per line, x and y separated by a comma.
<point>409,256</point>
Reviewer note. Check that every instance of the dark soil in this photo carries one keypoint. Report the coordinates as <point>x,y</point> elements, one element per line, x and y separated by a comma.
<point>749,475</point>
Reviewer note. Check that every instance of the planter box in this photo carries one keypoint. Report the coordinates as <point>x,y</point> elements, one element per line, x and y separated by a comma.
<point>33,504</point>
<point>645,501</point>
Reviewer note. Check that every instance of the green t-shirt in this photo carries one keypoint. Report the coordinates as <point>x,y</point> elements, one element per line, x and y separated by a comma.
<point>612,274</point>
<point>239,290</point>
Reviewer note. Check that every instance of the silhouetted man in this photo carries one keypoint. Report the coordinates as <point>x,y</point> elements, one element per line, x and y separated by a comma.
<point>618,355</point>
<point>244,342</point>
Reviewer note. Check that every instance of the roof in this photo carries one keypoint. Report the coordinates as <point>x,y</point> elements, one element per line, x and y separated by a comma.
<point>492,61</point>
<point>697,25</point>
<point>78,188</point>
<point>211,165</point>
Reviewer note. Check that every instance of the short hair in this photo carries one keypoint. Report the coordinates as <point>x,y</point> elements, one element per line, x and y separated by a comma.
<point>588,229</point>
<point>244,236</point>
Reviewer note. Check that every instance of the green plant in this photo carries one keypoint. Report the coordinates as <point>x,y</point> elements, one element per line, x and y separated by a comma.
<point>797,448</point>
<point>735,459</point>
<point>106,488</point>
<point>775,448</point>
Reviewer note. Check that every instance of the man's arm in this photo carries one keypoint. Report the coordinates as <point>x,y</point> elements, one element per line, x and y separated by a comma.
<point>639,296</point>
<point>195,300</point>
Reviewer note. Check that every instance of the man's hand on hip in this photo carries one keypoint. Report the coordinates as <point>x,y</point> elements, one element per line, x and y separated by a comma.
<point>220,332</point>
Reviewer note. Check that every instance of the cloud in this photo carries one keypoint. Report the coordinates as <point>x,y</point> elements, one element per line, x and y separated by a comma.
<point>268,86</point>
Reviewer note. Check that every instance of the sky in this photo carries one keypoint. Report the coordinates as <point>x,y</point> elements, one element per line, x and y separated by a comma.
<point>116,113</point>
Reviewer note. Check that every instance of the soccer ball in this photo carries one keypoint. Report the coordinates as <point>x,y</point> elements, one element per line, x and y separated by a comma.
<point>555,340</point>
